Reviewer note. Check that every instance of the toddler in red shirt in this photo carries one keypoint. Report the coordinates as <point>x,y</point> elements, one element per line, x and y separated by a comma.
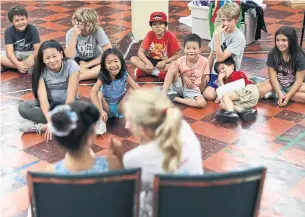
<point>159,48</point>
<point>238,102</point>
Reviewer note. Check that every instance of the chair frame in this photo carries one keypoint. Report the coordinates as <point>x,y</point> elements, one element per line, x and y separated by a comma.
<point>207,183</point>
<point>111,176</point>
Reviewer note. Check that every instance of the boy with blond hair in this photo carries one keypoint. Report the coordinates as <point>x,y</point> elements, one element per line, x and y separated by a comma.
<point>159,48</point>
<point>21,41</point>
<point>228,41</point>
<point>85,42</point>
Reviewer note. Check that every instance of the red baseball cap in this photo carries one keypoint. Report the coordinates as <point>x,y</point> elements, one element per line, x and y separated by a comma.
<point>158,16</point>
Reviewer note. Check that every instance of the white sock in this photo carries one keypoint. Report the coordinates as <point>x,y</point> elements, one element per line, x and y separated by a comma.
<point>155,72</point>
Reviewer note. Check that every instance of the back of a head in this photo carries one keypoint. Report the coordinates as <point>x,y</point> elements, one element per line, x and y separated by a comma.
<point>88,17</point>
<point>71,124</point>
<point>230,11</point>
<point>192,38</point>
<point>16,11</point>
<point>152,110</point>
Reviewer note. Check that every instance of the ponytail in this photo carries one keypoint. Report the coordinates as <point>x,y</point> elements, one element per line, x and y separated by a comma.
<point>168,134</point>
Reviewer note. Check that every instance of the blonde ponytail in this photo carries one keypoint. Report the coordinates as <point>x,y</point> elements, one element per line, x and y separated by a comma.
<point>169,142</point>
<point>152,110</point>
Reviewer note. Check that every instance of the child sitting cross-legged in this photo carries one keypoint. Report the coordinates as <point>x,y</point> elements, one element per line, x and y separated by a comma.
<point>237,102</point>
<point>186,79</point>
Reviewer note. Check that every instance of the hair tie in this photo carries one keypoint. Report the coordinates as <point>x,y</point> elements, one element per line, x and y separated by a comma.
<point>165,110</point>
<point>72,116</point>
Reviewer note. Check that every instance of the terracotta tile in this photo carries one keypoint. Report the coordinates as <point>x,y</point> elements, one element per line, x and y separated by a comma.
<point>297,107</point>
<point>222,162</point>
<point>218,133</point>
<point>31,8</point>
<point>84,91</point>
<point>294,156</point>
<point>290,116</point>
<point>12,202</point>
<point>94,6</point>
<point>274,127</point>
<point>269,198</point>
<point>52,35</point>
<point>209,146</point>
<point>119,6</point>
<point>268,109</point>
<point>298,191</point>
<point>296,17</point>
<point>55,17</point>
<point>302,122</point>
<point>40,166</point>
<point>120,15</point>
<point>28,96</point>
<point>9,75</point>
<point>57,9</point>
<point>54,26</point>
<point>121,23</point>
<point>198,114</point>
<point>103,140</point>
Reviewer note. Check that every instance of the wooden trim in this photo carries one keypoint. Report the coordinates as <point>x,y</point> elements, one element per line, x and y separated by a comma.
<point>204,183</point>
<point>259,194</point>
<point>156,187</point>
<point>83,181</point>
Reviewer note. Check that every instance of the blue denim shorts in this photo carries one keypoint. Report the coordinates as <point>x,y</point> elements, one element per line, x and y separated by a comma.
<point>114,111</point>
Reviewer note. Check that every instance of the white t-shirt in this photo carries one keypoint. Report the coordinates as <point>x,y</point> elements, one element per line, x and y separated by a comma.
<point>150,158</point>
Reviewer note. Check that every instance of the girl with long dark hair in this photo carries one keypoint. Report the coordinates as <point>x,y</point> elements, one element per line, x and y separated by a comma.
<point>286,69</point>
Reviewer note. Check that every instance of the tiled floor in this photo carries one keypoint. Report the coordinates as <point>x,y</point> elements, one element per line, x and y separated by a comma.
<point>276,139</point>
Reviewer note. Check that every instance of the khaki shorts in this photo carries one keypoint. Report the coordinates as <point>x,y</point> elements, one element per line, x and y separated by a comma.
<point>248,96</point>
<point>183,91</point>
<point>20,55</point>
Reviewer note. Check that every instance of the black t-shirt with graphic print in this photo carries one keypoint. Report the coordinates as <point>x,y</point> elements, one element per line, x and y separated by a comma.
<point>22,41</point>
<point>285,73</point>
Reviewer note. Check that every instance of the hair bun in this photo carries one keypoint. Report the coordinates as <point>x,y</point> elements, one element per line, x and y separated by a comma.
<point>90,114</point>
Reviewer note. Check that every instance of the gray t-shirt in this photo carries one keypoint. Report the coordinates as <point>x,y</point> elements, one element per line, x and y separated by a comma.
<point>57,82</point>
<point>88,47</point>
<point>234,42</point>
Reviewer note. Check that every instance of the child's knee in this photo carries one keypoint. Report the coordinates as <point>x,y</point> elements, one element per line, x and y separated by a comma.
<point>200,101</point>
<point>209,93</point>
<point>133,60</point>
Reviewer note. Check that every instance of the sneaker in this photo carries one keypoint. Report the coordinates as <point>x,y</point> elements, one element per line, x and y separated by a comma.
<point>226,116</point>
<point>31,127</point>
<point>248,114</point>
<point>140,73</point>
<point>161,76</point>
<point>172,95</point>
<point>100,128</point>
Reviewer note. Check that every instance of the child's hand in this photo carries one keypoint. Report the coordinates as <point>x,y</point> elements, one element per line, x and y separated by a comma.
<point>218,100</point>
<point>76,31</point>
<point>281,100</point>
<point>161,64</point>
<point>221,76</point>
<point>149,67</point>
<point>29,62</point>
<point>187,82</point>
<point>104,115</point>
<point>22,67</point>
<point>220,29</point>
<point>285,100</point>
<point>116,148</point>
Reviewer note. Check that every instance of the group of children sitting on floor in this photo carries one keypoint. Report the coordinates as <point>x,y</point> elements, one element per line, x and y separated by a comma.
<point>168,144</point>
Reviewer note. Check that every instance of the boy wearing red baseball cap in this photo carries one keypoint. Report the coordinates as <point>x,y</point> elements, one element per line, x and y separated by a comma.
<point>159,48</point>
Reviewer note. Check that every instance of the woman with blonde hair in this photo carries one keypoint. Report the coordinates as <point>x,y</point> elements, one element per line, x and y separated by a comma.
<point>85,42</point>
<point>167,142</point>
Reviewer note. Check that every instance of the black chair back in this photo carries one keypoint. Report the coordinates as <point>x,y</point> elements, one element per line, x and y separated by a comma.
<point>234,194</point>
<point>114,193</point>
